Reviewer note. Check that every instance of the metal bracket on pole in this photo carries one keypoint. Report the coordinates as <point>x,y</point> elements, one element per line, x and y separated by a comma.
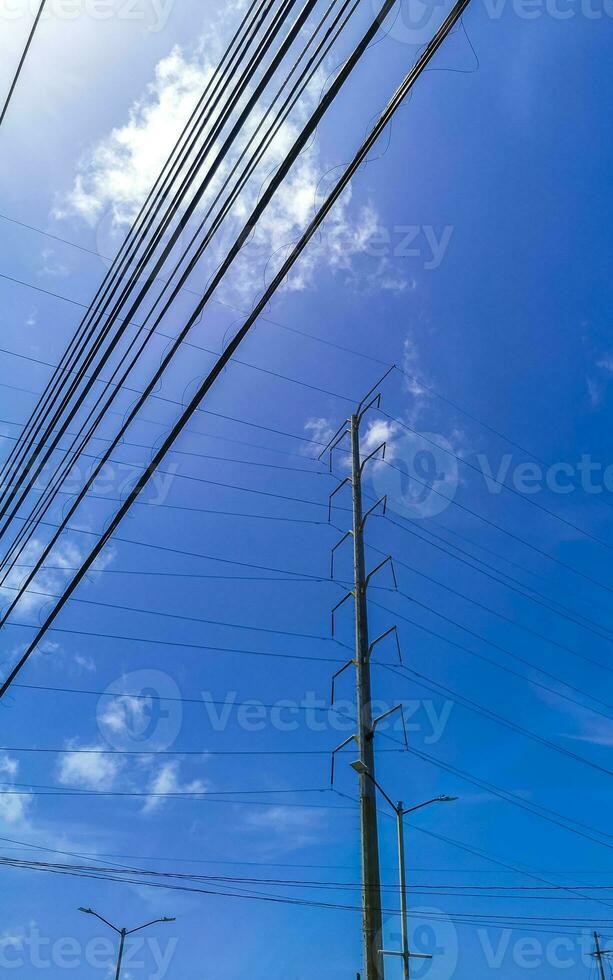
<point>361,409</point>
<point>386,714</point>
<point>414,956</point>
<point>371,455</point>
<point>350,663</point>
<point>381,565</point>
<point>381,500</point>
<point>350,595</point>
<point>348,534</point>
<point>336,439</point>
<point>352,738</point>
<point>392,629</point>
<point>376,401</point>
<point>333,494</point>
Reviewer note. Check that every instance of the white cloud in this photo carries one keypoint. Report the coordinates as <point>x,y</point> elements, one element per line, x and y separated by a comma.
<point>50,581</point>
<point>320,430</point>
<point>287,828</point>
<point>85,663</point>
<point>8,765</point>
<point>606,363</point>
<point>166,780</point>
<point>88,770</point>
<point>123,715</point>
<point>13,807</point>
<point>114,177</point>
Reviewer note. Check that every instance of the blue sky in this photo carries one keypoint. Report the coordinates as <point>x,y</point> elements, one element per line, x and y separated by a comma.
<point>472,252</point>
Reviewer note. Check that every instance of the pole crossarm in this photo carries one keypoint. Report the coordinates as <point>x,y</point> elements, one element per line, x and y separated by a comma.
<point>350,663</point>
<point>413,956</point>
<point>372,455</point>
<point>339,748</point>
<point>336,438</point>
<point>360,409</point>
<point>350,595</point>
<point>389,560</point>
<point>334,493</point>
<point>370,511</point>
<point>348,534</point>
<point>391,711</point>
<point>392,629</point>
<point>373,403</point>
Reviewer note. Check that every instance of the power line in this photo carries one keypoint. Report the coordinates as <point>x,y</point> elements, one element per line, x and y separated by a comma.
<point>21,63</point>
<point>396,101</point>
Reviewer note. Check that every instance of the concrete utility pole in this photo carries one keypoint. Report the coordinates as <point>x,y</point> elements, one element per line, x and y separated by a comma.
<point>372,923</point>
<point>371,877</point>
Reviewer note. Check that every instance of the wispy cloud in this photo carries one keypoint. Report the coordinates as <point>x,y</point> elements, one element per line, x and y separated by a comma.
<point>281,829</point>
<point>115,175</point>
<point>13,808</point>
<point>88,770</point>
<point>168,780</point>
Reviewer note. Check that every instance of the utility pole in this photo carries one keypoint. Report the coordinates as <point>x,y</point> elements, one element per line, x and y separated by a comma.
<point>404,930</point>
<point>599,954</point>
<point>372,923</point>
<point>371,877</point>
<point>122,939</point>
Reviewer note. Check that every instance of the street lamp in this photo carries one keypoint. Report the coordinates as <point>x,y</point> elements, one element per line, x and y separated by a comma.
<point>400,811</point>
<point>122,933</point>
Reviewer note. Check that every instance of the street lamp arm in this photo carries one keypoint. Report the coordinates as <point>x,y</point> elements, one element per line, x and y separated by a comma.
<point>102,919</point>
<point>147,924</point>
<point>436,799</point>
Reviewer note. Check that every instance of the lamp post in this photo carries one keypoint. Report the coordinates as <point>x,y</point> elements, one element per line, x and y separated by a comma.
<point>401,812</point>
<point>122,933</point>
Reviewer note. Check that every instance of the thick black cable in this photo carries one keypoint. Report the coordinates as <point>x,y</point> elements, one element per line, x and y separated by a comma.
<point>316,60</point>
<point>152,201</point>
<point>262,204</point>
<point>359,158</point>
<point>238,91</point>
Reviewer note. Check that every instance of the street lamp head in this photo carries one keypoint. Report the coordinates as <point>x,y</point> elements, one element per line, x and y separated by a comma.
<point>87,911</point>
<point>166,918</point>
<point>360,767</point>
<point>447,799</point>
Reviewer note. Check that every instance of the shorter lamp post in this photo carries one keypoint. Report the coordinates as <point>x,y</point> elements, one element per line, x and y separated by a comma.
<point>122,933</point>
<point>401,812</point>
